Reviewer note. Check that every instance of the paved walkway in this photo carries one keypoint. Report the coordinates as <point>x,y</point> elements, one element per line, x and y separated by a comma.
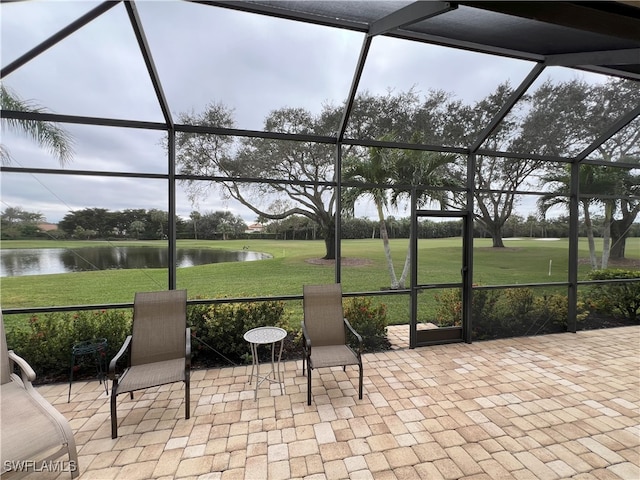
<point>550,407</point>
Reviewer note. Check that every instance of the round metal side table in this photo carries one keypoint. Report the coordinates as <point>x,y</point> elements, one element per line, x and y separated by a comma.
<point>265,336</point>
<point>96,348</point>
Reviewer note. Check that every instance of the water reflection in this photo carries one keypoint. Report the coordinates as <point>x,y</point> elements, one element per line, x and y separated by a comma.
<point>44,261</point>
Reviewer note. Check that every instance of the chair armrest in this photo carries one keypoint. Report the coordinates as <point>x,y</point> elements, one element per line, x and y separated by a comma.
<point>306,341</point>
<point>114,361</point>
<point>27,374</point>
<point>354,333</point>
<point>187,357</point>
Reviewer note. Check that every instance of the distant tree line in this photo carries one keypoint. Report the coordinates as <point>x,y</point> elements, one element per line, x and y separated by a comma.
<point>300,228</point>
<point>18,223</point>
<point>98,223</point>
<point>101,223</point>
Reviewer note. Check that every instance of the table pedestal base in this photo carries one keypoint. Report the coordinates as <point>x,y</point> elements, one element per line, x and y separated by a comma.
<point>265,336</point>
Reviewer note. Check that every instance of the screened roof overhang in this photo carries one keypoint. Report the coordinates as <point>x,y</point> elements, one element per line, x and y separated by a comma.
<point>601,37</point>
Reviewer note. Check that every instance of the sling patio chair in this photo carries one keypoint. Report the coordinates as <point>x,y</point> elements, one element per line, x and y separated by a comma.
<point>324,332</point>
<point>159,348</point>
<point>34,433</point>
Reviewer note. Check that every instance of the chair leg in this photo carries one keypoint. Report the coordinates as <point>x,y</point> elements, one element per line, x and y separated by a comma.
<point>73,457</point>
<point>114,416</point>
<point>73,362</point>
<point>187,398</point>
<point>308,384</point>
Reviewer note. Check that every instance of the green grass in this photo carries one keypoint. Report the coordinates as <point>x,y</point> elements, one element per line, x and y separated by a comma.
<point>523,261</point>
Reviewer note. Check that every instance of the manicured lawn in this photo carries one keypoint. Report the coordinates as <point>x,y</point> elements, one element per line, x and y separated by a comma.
<point>523,261</point>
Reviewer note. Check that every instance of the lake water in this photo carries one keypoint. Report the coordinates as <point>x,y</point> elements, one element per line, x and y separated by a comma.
<point>45,261</point>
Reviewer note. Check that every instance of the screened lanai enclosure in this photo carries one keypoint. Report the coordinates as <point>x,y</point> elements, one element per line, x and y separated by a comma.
<point>471,165</point>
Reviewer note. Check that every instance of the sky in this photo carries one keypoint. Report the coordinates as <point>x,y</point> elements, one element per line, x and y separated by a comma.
<point>252,63</point>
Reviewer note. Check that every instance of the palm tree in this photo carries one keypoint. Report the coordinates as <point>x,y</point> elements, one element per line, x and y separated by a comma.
<point>195,216</point>
<point>48,135</point>
<point>394,167</point>
<point>378,168</point>
<point>593,180</point>
<point>421,169</point>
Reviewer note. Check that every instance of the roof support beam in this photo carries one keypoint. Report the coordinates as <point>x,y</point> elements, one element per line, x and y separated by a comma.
<point>628,56</point>
<point>61,35</point>
<point>408,15</point>
<point>618,125</point>
<point>136,24</point>
<point>366,44</point>
<point>585,16</point>
<point>364,51</point>
<point>614,72</point>
<point>506,108</point>
<point>274,10</point>
<point>148,60</point>
<point>466,45</point>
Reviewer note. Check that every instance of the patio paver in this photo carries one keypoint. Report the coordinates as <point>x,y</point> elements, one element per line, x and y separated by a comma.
<point>548,407</point>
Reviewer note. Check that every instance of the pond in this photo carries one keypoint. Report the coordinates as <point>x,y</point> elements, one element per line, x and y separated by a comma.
<point>45,261</point>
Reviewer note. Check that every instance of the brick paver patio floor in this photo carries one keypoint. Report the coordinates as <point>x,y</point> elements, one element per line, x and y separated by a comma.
<point>549,407</point>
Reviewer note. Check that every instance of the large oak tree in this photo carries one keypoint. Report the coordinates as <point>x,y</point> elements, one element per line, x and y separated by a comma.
<point>261,172</point>
<point>565,119</point>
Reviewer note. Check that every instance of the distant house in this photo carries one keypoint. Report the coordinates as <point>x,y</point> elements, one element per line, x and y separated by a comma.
<point>47,227</point>
<point>254,228</point>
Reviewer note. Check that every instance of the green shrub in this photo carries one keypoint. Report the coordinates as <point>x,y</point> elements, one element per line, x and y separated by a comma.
<point>449,309</point>
<point>196,321</point>
<point>369,321</point>
<point>515,303</point>
<point>217,333</point>
<point>46,344</point>
<point>219,329</point>
<point>507,312</point>
<point>616,298</point>
<point>551,312</point>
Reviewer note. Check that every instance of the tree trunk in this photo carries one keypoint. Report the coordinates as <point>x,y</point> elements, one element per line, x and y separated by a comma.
<point>618,239</point>
<point>387,249</point>
<point>328,232</point>
<point>590,239</point>
<point>494,229</point>
<point>405,271</point>
<point>497,241</point>
<point>606,235</point>
<point>330,245</point>
<point>407,264</point>
<point>496,236</point>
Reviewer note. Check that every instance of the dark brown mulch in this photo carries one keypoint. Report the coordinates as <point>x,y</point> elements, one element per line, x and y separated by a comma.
<point>596,321</point>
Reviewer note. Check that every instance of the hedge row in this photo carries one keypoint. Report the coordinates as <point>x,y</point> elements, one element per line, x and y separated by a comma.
<point>218,329</point>
<point>217,333</point>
